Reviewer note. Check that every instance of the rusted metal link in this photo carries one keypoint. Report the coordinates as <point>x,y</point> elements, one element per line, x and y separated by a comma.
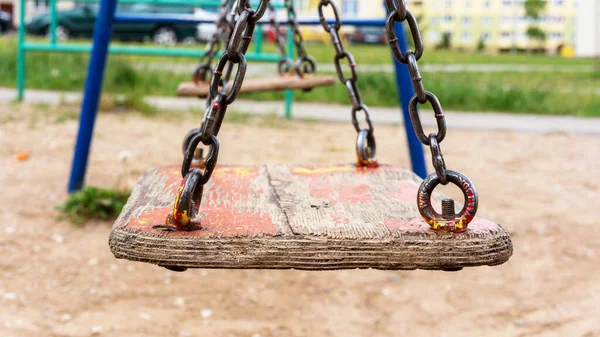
<point>351,64</point>
<point>244,6</point>
<point>393,38</point>
<point>326,26</point>
<point>437,159</point>
<point>397,6</point>
<point>415,76</point>
<point>210,161</point>
<point>416,119</point>
<point>355,122</point>
<point>456,223</point>
<point>240,60</point>
<point>353,93</point>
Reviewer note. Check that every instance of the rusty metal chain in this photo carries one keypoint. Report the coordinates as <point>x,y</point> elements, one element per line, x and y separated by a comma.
<point>448,220</point>
<point>306,64</point>
<point>223,23</point>
<point>189,196</point>
<point>365,141</point>
<point>285,64</point>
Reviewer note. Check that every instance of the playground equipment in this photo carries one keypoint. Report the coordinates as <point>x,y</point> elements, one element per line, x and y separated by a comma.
<point>53,45</point>
<point>297,74</point>
<point>306,217</point>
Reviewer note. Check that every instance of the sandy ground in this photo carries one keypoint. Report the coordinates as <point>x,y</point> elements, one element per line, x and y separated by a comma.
<point>61,280</point>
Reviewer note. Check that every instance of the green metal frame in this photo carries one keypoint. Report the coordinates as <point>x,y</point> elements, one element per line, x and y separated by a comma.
<point>54,46</point>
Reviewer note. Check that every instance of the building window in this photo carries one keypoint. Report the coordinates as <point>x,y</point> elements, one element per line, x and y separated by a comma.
<point>558,3</point>
<point>506,35</point>
<point>506,3</point>
<point>468,4</point>
<point>486,37</point>
<point>487,4</point>
<point>556,36</point>
<point>505,19</point>
<point>486,20</point>
<point>466,20</point>
<point>350,8</point>
<point>448,18</point>
<point>434,36</point>
<point>466,37</point>
<point>448,4</point>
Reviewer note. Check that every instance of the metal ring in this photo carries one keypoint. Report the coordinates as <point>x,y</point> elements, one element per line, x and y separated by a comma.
<point>338,22</point>
<point>416,119</point>
<point>365,109</point>
<point>393,38</point>
<point>351,63</point>
<point>306,65</point>
<point>201,72</point>
<point>285,66</point>
<point>210,161</point>
<point>458,222</point>
<point>187,202</point>
<point>366,151</point>
<point>437,159</point>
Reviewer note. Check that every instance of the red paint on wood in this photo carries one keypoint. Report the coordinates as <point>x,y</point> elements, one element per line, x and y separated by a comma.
<point>230,218</point>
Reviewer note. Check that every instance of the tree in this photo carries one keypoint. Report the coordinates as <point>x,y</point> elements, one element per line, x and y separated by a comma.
<point>533,10</point>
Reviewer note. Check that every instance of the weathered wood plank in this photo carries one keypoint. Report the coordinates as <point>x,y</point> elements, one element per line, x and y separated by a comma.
<point>300,217</point>
<point>190,89</point>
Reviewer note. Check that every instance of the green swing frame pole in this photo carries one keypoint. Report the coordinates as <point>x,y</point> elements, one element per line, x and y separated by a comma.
<point>21,52</point>
<point>55,46</point>
<point>289,94</point>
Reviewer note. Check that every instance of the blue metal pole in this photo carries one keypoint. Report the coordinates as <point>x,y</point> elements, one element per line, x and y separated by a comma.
<point>91,94</point>
<point>405,93</point>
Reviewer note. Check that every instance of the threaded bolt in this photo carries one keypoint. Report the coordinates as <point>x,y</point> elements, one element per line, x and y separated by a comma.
<point>448,208</point>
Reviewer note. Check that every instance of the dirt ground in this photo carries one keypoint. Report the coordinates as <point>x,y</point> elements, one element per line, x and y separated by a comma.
<point>60,280</point>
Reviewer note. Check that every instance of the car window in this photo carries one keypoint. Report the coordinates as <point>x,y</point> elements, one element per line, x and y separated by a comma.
<point>141,8</point>
<point>175,9</point>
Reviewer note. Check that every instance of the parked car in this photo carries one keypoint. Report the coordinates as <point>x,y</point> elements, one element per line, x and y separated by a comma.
<point>370,35</point>
<point>80,21</point>
<point>5,22</point>
<point>205,31</point>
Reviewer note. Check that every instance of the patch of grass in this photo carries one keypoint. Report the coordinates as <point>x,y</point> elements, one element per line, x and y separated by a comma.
<point>562,93</point>
<point>93,203</point>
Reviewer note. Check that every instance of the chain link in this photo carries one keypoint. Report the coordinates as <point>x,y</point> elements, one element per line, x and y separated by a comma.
<point>305,65</point>
<point>365,140</point>
<point>189,196</point>
<point>285,64</point>
<point>448,220</point>
<point>223,24</point>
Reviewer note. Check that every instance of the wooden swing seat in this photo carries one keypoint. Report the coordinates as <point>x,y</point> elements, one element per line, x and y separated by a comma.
<point>191,89</point>
<point>300,217</point>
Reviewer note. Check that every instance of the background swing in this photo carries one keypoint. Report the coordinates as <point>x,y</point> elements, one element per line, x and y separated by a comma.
<point>293,75</point>
<point>306,217</point>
